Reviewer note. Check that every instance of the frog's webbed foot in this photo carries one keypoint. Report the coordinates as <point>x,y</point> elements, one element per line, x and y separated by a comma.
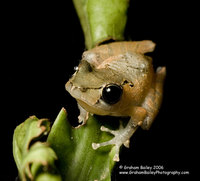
<point>121,137</point>
<point>123,134</point>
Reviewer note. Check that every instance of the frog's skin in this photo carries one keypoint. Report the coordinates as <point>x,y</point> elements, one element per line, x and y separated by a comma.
<point>125,65</point>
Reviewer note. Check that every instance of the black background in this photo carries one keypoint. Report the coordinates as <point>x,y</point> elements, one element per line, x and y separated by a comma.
<point>43,41</point>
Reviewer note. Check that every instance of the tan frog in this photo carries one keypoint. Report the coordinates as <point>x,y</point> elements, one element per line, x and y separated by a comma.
<point>117,79</point>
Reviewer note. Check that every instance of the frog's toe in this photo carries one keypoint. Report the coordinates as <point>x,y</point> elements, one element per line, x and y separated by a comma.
<point>121,127</point>
<point>116,157</point>
<point>127,143</point>
<point>110,142</point>
<point>97,145</point>
<point>103,128</point>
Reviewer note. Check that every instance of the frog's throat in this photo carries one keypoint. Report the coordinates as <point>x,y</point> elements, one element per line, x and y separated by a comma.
<point>93,109</point>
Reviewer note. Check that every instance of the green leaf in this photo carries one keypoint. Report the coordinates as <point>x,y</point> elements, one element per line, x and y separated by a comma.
<point>34,159</point>
<point>39,161</point>
<point>28,131</point>
<point>73,146</point>
<point>48,177</point>
<point>102,20</point>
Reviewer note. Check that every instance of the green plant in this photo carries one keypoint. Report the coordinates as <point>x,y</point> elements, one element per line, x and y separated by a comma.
<point>67,153</point>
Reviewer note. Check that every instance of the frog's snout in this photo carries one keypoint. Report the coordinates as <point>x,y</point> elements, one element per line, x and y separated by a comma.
<point>68,86</point>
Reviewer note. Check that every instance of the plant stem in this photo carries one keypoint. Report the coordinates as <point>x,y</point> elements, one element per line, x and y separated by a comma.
<point>102,20</point>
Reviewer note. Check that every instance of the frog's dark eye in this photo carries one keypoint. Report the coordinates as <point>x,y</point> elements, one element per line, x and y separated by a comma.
<point>111,93</point>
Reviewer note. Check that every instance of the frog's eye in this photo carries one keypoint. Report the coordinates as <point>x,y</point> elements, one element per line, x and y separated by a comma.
<point>111,93</point>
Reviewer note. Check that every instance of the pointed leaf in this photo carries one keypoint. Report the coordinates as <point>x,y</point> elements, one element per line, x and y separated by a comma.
<point>73,146</point>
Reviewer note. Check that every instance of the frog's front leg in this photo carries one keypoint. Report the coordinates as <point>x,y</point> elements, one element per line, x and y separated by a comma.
<point>83,116</point>
<point>123,135</point>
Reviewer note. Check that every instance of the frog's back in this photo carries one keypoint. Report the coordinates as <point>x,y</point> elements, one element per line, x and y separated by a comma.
<point>108,52</point>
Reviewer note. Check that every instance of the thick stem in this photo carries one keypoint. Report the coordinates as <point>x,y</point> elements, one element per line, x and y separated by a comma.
<point>102,20</point>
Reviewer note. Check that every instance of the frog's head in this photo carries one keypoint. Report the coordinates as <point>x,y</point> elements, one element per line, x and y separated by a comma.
<point>94,88</point>
<point>108,85</point>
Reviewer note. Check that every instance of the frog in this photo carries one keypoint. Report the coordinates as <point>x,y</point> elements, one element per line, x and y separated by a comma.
<point>118,79</point>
